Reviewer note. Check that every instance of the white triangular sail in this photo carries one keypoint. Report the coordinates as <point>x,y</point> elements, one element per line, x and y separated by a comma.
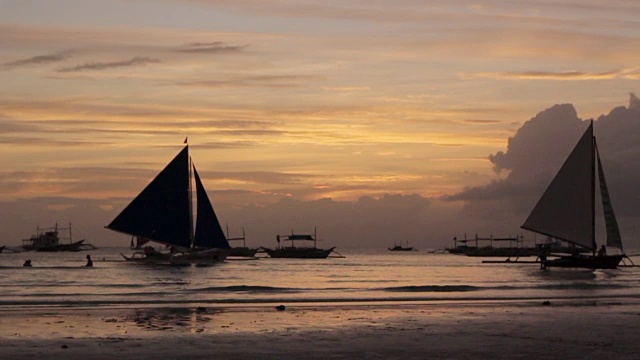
<point>565,210</point>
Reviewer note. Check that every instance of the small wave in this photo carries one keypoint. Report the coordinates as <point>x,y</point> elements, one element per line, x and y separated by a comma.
<point>466,288</point>
<point>245,288</point>
<point>580,286</point>
<point>432,288</point>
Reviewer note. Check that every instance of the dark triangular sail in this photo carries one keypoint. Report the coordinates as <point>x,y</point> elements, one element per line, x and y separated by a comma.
<point>613,232</point>
<point>565,210</point>
<point>209,233</point>
<point>161,211</point>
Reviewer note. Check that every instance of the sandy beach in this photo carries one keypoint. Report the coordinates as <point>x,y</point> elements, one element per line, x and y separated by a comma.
<point>585,329</point>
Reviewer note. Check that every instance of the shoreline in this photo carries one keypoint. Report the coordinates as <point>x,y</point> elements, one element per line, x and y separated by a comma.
<point>8,305</point>
<point>564,329</point>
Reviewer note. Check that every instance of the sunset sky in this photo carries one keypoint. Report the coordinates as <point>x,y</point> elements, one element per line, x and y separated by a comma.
<point>392,102</point>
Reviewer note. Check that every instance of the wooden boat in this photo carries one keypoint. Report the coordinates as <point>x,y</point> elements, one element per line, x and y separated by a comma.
<point>298,252</point>
<point>149,256</point>
<point>488,247</point>
<point>48,240</point>
<point>240,251</point>
<point>401,248</point>
<point>491,251</point>
<point>163,213</point>
<point>566,210</point>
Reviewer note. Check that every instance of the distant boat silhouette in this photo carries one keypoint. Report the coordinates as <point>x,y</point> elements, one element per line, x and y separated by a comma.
<point>293,251</point>
<point>48,240</point>
<point>401,248</point>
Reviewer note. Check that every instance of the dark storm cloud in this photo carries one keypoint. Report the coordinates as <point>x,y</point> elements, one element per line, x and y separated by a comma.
<point>136,61</point>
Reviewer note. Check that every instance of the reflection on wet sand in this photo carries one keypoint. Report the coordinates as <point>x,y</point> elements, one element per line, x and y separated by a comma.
<point>177,319</point>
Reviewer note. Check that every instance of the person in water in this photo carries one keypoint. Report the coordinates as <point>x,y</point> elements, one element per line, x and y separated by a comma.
<point>27,263</point>
<point>89,261</point>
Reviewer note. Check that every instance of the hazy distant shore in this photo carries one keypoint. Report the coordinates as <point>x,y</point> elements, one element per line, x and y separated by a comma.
<point>594,329</point>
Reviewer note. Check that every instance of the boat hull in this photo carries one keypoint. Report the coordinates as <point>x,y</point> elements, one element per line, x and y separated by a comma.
<point>400,249</point>
<point>242,252</point>
<point>299,253</point>
<point>199,258</point>
<point>141,257</point>
<point>76,246</point>
<point>490,251</point>
<point>585,262</point>
<point>498,252</point>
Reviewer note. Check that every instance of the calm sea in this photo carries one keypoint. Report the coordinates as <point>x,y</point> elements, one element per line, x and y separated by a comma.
<point>59,279</point>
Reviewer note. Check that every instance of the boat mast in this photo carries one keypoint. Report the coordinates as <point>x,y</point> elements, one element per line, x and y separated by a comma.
<point>593,192</point>
<point>191,235</point>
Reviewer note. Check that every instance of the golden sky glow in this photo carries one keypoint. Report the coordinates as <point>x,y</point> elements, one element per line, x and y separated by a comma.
<point>302,99</point>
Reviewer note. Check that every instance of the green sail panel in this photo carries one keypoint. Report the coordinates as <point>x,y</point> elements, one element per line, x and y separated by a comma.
<point>565,210</point>
<point>209,233</point>
<point>161,212</point>
<point>613,232</point>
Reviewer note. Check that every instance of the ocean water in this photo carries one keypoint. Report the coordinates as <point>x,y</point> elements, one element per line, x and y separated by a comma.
<point>362,276</point>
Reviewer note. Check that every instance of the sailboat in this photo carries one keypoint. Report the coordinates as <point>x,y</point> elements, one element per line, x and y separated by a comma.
<point>566,210</point>
<point>163,213</point>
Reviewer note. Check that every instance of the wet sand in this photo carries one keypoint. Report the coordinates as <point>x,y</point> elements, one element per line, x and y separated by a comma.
<point>585,329</point>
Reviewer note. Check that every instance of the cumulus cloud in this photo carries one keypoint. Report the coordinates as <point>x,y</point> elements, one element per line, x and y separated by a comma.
<point>538,149</point>
<point>136,61</point>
